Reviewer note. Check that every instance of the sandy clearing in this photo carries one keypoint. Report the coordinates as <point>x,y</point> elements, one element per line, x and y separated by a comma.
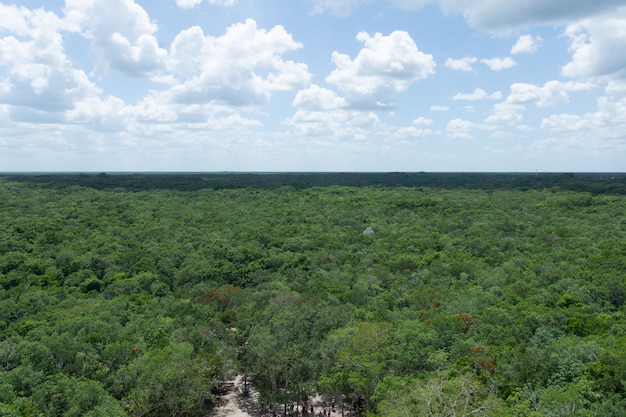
<point>235,404</point>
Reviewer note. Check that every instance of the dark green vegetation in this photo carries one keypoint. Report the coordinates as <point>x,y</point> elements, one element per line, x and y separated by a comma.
<point>134,295</point>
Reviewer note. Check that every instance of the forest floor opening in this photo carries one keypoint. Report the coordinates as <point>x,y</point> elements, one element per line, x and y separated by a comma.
<point>234,403</point>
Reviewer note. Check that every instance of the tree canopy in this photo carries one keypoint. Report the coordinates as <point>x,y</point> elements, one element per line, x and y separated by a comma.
<point>137,294</point>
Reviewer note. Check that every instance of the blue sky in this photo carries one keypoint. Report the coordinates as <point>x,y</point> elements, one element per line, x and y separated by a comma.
<point>313,85</point>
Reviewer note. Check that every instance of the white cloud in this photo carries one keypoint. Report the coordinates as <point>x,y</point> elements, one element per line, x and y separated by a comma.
<point>438,108</point>
<point>318,98</point>
<point>110,112</point>
<point>613,112</point>
<point>409,133</point>
<point>223,2</point>
<point>15,19</point>
<point>608,121</point>
<point>242,67</point>
<point>598,134</point>
<point>506,112</point>
<point>422,121</point>
<point>463,129</point>
<point>341,124</point>
<point>616,87</point>
<point>523,94</point>
<point>508,14</point>
<point>462,64</point>
<point>207,105</point>
<point>153,108</point>
<point>478,94</point>
<point>39,76</point>
<point>596,45</point>
<point>498,63</point>
<point>41,84</point>
<point>99,19</point>
<point>187,4</point>
<point>121,34</point>
<point>386,66</point>
<point>526,44</point>
<point>550,93</point>
<point>564,122</point>
<point>141,58</point>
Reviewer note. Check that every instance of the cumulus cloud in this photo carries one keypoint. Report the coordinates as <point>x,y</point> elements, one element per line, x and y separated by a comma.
<point>110,113</point>
<point>422,121</point>
<point>316,97</point>
<point>616,87</point>
<point>208,75</point>
<point>460,129</point>
<point>594,134</point>
<point>343,124</point>
<point>39,76</point>
<point>506,112</point>
<point>499,63</point>
<point>610,113</point>
<point>152,108</point>
<point>462,64</point>
<point>526,44</point>
<point>408,134</point>
<point>594,45</point>
<point>438,108</point>
<point>507,14</point>
<point>564,122</point>
<point>523,94</point>
<point>551,93</point>
<point>187,4</point>
<point>121,35</point>
<point>242,67</point>
<point>17,20</point>
<point>478,94</point>
<point>386,66</point>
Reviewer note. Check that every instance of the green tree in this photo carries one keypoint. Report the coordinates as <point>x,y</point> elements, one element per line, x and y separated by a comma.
<point>283,352</point>
<point>439,395</point>
<point>171,382</point>
<point>360,358</point>
<point>66,396</point>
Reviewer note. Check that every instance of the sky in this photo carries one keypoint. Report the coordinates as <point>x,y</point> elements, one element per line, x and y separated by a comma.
<point>313,85</point>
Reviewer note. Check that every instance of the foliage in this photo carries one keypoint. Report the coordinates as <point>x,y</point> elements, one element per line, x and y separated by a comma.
<point>477,294</point>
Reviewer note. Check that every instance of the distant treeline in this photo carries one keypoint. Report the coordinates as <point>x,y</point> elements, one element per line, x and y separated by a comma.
<point>595,183</point>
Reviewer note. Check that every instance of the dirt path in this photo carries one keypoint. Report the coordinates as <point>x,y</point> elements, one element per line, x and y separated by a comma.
<point>234,403</point>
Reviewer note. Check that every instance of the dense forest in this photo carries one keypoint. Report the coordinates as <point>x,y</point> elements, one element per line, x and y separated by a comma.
<point>471,294</point>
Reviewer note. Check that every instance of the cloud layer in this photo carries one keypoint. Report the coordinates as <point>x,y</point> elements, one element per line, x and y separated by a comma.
<point>386,66</point>
<point>377,92</point>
